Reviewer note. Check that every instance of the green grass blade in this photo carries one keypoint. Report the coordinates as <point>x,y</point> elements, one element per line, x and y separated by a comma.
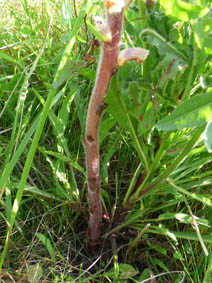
<point>41,123</point>
<point>162,177</point>
<point>208,273</point>
<point>25,173</point>
<point>47,244</point>
<point>195,196</point>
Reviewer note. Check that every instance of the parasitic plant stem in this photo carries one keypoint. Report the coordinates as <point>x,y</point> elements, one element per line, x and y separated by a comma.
<point>110,60</point>
<point>106,68</point>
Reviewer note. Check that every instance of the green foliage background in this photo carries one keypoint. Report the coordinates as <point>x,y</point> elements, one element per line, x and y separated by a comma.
<point>155,144</point>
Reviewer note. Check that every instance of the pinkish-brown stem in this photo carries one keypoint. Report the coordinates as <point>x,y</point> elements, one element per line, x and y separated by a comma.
<point>107,65</point>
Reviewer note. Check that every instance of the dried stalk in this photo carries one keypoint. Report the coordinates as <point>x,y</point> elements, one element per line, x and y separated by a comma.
<point>107,66</point>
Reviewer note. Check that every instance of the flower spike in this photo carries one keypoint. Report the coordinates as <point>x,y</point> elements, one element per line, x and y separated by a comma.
<point>103,28</point>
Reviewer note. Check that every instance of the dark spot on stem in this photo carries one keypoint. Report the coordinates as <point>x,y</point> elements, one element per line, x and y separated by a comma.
<point>94,183</point>
<point>115,71</point>
<point>101,108</point>
<point>90,138</point>
<point>141,117</point>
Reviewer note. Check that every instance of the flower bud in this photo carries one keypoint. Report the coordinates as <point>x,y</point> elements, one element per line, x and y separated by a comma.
<point>115,6</point>
<point>137,54</point>
<point>103,28</point>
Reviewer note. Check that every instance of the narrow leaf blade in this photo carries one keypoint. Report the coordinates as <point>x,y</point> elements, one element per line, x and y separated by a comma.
<point>208,136</point>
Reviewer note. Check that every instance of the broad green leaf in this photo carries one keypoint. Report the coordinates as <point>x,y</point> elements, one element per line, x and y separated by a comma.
<point>125,271</point>
<point>117,107</point>
<point>169,62</point>
<point>68,70</point>
<point>191,113</point>
<point>88,73</point>
<point>105,127</point>
<point>208,136</point>
<point>145,275</point>
<point>158,249</point>
<point>148,120</point>
<point>203,28</point>
<point>183,11</point>
<point>114,105</point>
<point>160,263</point>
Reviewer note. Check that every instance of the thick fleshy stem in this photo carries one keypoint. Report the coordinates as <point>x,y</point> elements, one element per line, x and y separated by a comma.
<point>107,66</point>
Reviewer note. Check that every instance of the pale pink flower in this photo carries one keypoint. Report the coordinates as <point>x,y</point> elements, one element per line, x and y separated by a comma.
<point>137,54</point>
<point>103,28</point>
